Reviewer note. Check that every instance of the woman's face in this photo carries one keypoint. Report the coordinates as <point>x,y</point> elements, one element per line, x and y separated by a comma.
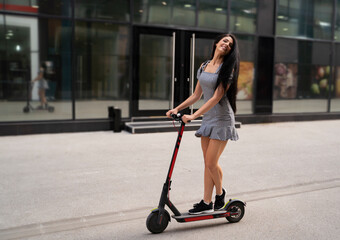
<point>225,45</point>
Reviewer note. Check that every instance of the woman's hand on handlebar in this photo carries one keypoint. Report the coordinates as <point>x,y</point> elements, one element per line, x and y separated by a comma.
<point>187,118</point>
<point>172,111</point>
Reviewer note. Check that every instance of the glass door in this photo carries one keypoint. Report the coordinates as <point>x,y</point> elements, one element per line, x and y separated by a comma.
<point>165,63</point>
<point>154,71</point>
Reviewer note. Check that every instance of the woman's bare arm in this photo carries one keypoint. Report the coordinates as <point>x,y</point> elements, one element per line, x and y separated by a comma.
<point>192,99</point>
<point>218,94</point>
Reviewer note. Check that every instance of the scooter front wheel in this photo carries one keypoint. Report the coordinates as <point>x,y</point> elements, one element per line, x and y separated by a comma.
<point>236,212</point>
<point>152,224</point>
<point>26,109</point>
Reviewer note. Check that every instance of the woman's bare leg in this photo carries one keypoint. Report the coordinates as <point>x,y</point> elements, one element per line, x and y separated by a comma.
<point>212,150</point>
<point>42,96</point>
<point>208,181</point>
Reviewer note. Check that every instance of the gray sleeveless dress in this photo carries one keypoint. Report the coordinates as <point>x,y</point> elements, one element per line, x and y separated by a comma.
<point>219,121</point>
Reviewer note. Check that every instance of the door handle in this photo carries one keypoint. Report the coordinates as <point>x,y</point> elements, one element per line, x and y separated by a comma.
<point>173,79</point>
<point>191,79</point>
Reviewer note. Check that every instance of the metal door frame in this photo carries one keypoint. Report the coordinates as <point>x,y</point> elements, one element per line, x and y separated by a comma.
<point>183,73</point>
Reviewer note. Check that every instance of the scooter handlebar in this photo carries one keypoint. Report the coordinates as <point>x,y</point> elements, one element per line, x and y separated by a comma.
<point>177,117</point>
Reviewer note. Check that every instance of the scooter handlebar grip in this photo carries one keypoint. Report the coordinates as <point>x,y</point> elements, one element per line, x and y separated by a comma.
<point>177,116</point>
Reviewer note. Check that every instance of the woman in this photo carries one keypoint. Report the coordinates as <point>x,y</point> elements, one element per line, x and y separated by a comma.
<point>217,81</point>
<point>42,85</point>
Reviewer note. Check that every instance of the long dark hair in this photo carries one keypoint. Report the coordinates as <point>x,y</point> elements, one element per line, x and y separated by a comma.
<point>231,65</point>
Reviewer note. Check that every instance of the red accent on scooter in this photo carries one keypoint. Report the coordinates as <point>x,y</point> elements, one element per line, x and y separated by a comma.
<point>175,153</point>
<point>198,218</point>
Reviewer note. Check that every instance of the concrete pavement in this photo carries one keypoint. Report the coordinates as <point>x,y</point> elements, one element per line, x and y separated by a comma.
<point>101,185</point>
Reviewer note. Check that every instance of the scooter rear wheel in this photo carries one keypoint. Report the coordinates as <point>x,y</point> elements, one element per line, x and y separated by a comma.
<point>50,109</point>
<point>237,211</point>
<point>152,224</point>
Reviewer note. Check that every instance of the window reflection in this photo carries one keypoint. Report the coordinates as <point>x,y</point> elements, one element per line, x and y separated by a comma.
<point>60,7</point>
<point>19,58</point>
<point>103,9</point>
<point>184,12</point>
<point>152,11</point>
<point>301,81</point>
<point>29,42</point>
<point>155,59</point>
<point>3,67</point>
<point>285,81</point>
<point>102,69</point>
<point>213,14</point>
<point>335,86</point>
<point>243,16</point>
<point>312,19</point>
<point>181,12</point>
<point>246,75</point>
<point>337,23</point>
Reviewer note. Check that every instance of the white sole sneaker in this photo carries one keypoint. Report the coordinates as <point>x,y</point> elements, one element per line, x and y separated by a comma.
<point>202,212</point>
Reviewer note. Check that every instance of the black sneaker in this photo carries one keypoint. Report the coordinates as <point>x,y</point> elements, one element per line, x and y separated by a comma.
<point>219,201</point>
<point>201,207</point>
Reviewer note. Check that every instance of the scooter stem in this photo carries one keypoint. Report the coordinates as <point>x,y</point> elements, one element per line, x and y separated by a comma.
<point>174,156</point>
<point>165,198</point>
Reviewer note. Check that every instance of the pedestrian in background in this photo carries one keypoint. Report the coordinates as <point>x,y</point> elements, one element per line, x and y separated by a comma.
<point>42,85</point>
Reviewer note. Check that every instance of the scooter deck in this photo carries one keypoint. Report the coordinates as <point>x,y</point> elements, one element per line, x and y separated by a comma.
<point>186,217</point>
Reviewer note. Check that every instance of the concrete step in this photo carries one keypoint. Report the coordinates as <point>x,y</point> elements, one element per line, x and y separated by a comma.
<point>162,126</point>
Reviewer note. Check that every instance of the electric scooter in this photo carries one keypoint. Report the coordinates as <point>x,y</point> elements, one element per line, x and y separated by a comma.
<point>29,108</point>
<point>159,218</point>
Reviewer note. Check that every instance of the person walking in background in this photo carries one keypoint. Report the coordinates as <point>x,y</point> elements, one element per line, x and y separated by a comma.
<point>217,81</point>
<point>42,85</point>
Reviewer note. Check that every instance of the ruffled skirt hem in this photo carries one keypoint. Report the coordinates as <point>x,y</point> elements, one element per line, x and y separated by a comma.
<point>218,132</point>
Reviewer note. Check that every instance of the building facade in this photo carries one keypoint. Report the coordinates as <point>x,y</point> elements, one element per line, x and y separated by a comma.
<point>142,56</point>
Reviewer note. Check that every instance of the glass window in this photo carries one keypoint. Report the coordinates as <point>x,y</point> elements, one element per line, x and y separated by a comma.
<point>243,16</point>
<point>184,12</point>
<point>60,7</point>
<point>311,19</point>
<point>154,85</point>
<point>36,82</point>
<point>181,12</point>
<point>335,86</point>
<point>102,68</point>
<point>103,9</point>
<point>213,14</point>
<point>3,58</point>
<point>245,84</point>
<point>337,23</point>
<point>301,76</point>
<point>152,11</point>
